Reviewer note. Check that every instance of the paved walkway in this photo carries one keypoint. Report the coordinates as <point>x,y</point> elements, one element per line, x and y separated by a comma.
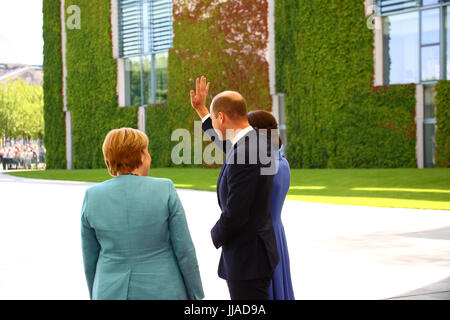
<point>337,252</point>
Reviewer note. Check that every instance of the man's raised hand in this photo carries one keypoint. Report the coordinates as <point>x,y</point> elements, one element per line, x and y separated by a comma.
<point>198,98</point>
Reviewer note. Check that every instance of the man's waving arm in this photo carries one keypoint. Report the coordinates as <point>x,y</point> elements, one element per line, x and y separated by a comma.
<point>198,102</point>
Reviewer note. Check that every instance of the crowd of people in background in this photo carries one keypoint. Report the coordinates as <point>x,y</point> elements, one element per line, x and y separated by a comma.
<point>19,155</point>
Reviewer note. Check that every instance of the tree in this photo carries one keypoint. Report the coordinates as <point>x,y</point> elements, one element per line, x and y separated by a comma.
<point>21,110</point>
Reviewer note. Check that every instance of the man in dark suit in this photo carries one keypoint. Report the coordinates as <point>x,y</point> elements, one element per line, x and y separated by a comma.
<point>244,190</point>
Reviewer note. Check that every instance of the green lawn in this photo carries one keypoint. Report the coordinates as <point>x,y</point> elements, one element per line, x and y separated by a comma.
<point>403,188</point>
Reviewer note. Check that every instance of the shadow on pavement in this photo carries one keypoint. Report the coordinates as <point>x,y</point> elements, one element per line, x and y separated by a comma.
<point>436,291</point>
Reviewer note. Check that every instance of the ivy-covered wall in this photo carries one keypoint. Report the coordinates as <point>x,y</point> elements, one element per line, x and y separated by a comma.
<point>335,117</point>
<point>225,41</point>
<point>54,137</point>
<point>91,83</point>
<point>442,136</point>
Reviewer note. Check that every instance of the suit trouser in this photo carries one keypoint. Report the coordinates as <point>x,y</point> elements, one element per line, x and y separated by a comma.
<point>256,289</point>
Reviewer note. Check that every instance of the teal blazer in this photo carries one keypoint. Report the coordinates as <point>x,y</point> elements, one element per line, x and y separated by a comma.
<point>136,242</point>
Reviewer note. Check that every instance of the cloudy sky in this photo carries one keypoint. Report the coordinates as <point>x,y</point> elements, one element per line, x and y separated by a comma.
<point>21,31</point>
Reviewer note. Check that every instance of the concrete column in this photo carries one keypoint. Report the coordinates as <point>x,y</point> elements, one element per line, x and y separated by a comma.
<point>375,23</point>
<point>419,126</point>
<point>69,151</point>
<point>121,81</point>
<point>115,28</point>
<point>276,107</point>
<point>63,53</point>
<point>141,119</point>
<point>378,78</point>
<point>67,113</point>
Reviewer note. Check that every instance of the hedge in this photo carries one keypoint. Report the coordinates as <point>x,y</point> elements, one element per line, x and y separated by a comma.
<point>335,117</point>
<point>54,135</point>
<point>442,136</point>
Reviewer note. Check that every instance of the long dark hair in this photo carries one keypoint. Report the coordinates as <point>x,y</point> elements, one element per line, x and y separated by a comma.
<point>261,119</point>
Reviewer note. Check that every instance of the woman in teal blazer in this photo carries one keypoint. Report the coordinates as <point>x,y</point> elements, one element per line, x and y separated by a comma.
<point>135,239</point>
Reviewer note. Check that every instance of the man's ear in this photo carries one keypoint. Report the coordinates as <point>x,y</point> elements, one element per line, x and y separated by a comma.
<point>221,117</point>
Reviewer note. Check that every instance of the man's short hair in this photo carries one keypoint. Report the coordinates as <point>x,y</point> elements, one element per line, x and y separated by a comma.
<point>231,103</point>
<point>122,150</point>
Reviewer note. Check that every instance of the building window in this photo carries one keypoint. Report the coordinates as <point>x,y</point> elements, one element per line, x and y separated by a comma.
<point>401,41</point>
<point>146,79</point>
<point>430,45</point>
<point>145,36</point>
<point>429,126</point>
<point>414,40</point>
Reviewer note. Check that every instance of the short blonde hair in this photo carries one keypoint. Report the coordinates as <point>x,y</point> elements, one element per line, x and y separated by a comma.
<point>122,150</point>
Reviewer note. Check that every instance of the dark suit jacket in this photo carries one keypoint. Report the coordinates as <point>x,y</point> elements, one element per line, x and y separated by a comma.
<point>244,230</point>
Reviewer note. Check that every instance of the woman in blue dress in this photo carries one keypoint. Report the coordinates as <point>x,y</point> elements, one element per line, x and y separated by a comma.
<point>281,285</point>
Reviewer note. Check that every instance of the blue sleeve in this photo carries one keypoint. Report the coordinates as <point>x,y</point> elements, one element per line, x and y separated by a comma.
<point>183,247</point>
<point>90,246</point>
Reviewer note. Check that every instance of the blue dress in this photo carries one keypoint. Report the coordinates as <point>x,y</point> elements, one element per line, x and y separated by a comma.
<point>281,286</point>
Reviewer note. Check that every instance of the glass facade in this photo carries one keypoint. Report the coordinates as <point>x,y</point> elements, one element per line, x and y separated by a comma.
<point>133,81</point>
<point>401,40</point>
<point>145,27</point>
<point>430,26</point>
<point>146,79</point>
<point>415,41</point>
<point>430,45</point>
<point>429,130</point>
<point>430,63</point>
<point>429,2</point>
<point>145,36</point>
<point>429,126</point>
<point>429,110</point>
<point>161,77</point>
<point>416,45</point>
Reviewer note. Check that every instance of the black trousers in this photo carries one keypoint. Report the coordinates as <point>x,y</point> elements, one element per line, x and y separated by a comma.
<point>256,289</point>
